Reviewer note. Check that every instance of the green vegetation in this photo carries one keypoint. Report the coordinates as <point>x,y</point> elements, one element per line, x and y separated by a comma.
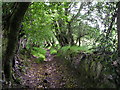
<point>85,36</point>
<point>39,50</point>
<point>39,53</point>
<point>73,50</point>
<point>53,51</point>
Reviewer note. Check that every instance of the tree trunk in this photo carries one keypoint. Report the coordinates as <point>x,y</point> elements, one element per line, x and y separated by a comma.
<point>79,41</point>
<point>71,40</point>
<point>60,35</point>
<point>118,27</point>
<point>15,21</point>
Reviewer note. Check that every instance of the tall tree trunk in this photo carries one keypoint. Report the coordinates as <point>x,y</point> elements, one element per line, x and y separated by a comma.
<point>118,27</point>
<point>15,21</point>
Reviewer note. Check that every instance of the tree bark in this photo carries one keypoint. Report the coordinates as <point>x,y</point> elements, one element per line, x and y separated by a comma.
<point>15,21</point>
<point>71,40</point>
<point>118,27</point>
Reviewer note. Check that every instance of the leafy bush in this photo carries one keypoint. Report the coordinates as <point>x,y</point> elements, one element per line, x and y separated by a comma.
<point>39,53</point>
<point>41,58</point>
<point>53,51</point>
<point>55,46</point>
<point>39,50</point>
<point>72,50</point>
<point>63,51</point>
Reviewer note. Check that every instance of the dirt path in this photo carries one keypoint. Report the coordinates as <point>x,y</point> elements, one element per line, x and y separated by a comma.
<point>50,74</point>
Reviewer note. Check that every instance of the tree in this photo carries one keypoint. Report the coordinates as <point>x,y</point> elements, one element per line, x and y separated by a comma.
<point>38,21</point>
<point>118,27</point>
<point>12,30</point>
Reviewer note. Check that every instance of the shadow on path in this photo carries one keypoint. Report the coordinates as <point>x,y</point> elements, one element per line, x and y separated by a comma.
<point>52,73</point>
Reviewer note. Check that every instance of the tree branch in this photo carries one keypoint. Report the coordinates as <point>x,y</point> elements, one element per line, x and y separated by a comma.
<point>74,17</point>
<point>111,24</point>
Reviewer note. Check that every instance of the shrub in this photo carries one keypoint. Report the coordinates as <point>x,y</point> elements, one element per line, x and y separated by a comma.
<point>39,53</point>
<point>41,58</point>
<point>72,50</point>
<point>53,51</point>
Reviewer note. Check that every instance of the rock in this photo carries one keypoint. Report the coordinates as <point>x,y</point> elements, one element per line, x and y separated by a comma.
<point>45,81</point>
<point>46,74</point>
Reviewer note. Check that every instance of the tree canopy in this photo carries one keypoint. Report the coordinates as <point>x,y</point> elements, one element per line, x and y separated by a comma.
<point>84,34</point>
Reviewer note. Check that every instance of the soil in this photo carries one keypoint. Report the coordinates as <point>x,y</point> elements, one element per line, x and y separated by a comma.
<point>51,73</point>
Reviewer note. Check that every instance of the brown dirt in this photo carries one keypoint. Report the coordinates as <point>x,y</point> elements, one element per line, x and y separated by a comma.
<point>52,73</point>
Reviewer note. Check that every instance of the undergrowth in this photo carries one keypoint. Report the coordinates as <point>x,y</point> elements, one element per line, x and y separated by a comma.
<point>72,50</point>
<point>39,53</point>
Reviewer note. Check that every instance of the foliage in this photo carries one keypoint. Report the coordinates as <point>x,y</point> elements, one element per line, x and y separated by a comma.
<point>68,29</point>
<point>40,58</point>
<point>72,50</point>
<point>37,24</point>
<point>39,53</point>
<point>40,50</point>
<point>53,51</point>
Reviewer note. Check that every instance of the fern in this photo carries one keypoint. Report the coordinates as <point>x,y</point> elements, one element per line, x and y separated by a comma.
<point>53,51</point>
<point>39,53</point>
<point>63,51</point>
<point>40,58</point>
<point>40,50</point>
<point>72,50</point>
